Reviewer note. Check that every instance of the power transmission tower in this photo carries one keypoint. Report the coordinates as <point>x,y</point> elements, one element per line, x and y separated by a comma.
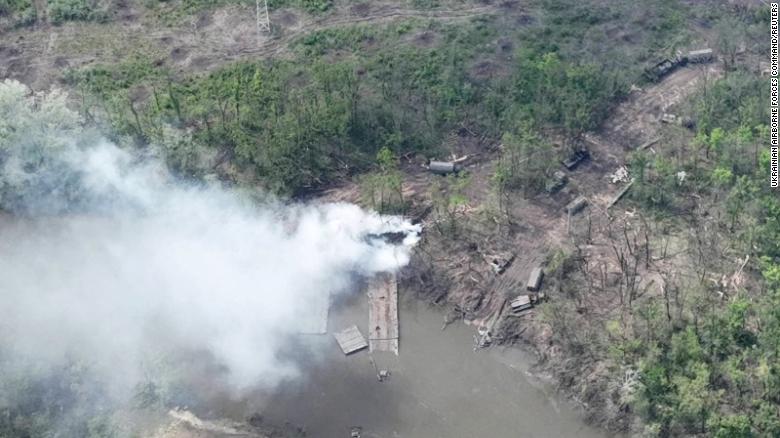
<point>263,20</point>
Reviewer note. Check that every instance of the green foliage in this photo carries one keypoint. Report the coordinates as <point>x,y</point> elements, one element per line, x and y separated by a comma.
<point>351,100</point>
<point>732,102</point>
<point>351,38</point>
<point>174,12</point>
<point>730,36</point>
<point>59,401</point>
<point>11,6</point>
<point>771,272</point>
<point>295,125</point>
<point>722,177</point>
<point>75,10</point>
<point>694,399</point>
<point>425,4</point>
<point>718,373</point>
<point>316,5</point>
<point>621,36</point>
<point>731,426</point>
<point>34,134</point>
<point>147,394</point>
<point>449,200</point>
<point>525,162</point>
<point>549,92</point>
<point>19,12</point>
<point>312,6</point>
<point>655,181</point>
<point>106,80</point>
<point>382,189</point>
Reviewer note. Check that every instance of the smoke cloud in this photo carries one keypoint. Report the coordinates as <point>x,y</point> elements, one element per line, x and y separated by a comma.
<point>109,257</point>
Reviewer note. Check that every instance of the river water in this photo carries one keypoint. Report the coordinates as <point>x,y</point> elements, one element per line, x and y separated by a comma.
<point>438,387</point>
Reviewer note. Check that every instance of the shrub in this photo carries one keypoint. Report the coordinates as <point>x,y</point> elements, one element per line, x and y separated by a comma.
<point>75,10</point>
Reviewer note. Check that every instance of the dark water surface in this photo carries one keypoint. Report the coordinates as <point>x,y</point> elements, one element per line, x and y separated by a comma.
<point>439,387</point>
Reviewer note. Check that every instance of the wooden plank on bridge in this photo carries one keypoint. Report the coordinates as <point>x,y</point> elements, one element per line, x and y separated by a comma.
<point>383,313</point>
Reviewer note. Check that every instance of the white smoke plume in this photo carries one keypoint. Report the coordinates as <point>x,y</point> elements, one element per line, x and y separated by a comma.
<point>109,255</point>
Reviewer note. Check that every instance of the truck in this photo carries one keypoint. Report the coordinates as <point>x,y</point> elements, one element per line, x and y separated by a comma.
<point>667,65</point>
<point>575,159</point>
<point>443,167</point>
<point>661,69</point>
<point>535,279</point>
<point>699,56</point>
<point>576,205</point>
<point>556,182</point>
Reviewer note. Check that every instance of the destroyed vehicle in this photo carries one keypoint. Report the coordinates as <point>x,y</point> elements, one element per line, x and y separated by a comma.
<point>576,205</point>
<point>668,118</point>
<point>661,69</point>
<point>667,65</point>
<point>556,183</point>
<point>499,264</point>
<point>535,279</point>
<point>699,56</point>
<point>443,167</point>
<point>526,302</point>
<point>575,159</point>
<point>521,303</point>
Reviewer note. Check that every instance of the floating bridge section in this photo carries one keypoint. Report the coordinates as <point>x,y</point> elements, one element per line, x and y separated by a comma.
<point>383,313</point>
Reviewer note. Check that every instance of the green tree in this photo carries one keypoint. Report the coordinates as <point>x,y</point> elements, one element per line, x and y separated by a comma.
<point>383,188</point>
<point>525,162</point>
<point>731,426</point>
<point>449,198</point>
<point>36,133</point>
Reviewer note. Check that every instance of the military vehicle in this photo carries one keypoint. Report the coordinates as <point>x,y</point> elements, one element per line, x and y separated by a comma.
<point>575,159</point>
<point>667,65</point>
<point>699,56</point>
<point>556,183</point>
